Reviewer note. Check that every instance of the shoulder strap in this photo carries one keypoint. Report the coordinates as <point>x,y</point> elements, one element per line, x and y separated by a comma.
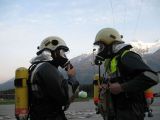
<point>30,70</point>
<point>119,57</point>
<point>119,63</point>
<point>126,51</point>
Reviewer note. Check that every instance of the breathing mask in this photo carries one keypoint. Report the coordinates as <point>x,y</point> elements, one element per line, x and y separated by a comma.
<point>104,51</point>
<point>109,51</point>
<point>60,59</point>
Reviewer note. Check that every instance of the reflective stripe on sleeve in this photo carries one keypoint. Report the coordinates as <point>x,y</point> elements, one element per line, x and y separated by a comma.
<point>151,76</point>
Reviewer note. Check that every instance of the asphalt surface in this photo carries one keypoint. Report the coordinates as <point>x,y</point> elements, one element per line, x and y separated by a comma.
<point>78,111</point>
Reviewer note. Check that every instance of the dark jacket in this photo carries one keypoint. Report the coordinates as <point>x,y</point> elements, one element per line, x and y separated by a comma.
<point>135,77</point>
<point>138,75</point>
<point>49,91</point>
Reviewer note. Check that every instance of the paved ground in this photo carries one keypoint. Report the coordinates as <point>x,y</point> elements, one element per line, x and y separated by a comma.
<point>77,111</point>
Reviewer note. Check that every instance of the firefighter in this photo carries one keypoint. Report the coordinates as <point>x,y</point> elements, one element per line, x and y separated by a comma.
<point>51,94</point>
<point>127,75</point>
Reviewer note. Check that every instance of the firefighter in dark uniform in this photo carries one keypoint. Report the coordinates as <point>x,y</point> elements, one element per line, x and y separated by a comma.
<point>127,75</point>
<point>50,94</point>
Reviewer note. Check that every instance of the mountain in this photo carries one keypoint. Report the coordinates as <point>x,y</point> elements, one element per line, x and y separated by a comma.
<point>153,60</point>
<point>85,69</point>
<point>7,85</point>
<point>144,47</point>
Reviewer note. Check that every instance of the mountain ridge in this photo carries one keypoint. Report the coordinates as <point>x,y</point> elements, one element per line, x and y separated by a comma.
<point>85,69</point>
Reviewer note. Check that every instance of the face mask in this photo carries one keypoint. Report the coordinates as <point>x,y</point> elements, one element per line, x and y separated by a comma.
<point>60,59</point>
<point>104,52</point>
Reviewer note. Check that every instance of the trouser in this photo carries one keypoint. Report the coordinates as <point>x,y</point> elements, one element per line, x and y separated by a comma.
<point>128,115</point>
<point>54,116</point>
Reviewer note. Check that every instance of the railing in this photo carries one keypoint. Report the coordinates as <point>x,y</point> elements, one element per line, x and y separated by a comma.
<point>6,96</point>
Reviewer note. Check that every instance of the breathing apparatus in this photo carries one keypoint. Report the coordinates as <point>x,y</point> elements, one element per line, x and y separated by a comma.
<point>52,49</point>
<point>103,52</point>
<point>21,93</point>
<point>109,51</point>
<point>60,59</point>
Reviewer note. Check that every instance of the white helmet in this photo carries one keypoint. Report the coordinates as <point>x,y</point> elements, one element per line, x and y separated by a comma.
<point>52,43</point>
<point>108,36</point>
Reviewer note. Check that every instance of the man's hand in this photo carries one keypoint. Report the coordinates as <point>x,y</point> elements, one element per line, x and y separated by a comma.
<point>71,71</point>
<point>115,88</point>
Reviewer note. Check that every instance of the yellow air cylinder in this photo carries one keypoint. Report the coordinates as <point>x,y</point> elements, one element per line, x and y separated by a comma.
<point>96,84</point>
<point>21,93</point>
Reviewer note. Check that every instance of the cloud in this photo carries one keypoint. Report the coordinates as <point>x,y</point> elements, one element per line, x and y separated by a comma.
<point>79,20</point>
<point>151,46</point>
<point>1,24</point>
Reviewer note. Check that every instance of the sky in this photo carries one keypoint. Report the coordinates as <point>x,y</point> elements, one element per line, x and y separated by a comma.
<point>25,23</point>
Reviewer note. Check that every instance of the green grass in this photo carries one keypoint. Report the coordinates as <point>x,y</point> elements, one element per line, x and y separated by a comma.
<point>6,102</point>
